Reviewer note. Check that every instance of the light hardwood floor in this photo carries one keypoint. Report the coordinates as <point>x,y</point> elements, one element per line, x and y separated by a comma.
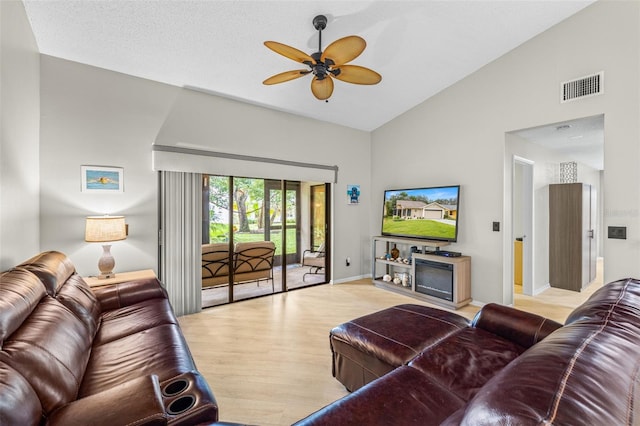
<point>268,361</point>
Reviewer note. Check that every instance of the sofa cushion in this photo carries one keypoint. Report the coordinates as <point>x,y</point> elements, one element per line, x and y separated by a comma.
<point>524,328</point>
<point>623,295</point>
<point>19,404</point>
<point>50,350</point>
<point>135,402</point>
<point>127,293</point>
<point>160,350</point>
<point>52,267</point>
<point>76,295</point>
<point>403,397</point>
<point>132,319</point>
<point>583,371</point>
<point>466,360</point>
<point>20,293</point>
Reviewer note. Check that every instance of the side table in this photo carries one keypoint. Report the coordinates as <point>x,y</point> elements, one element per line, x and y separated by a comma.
<point>120,278</point>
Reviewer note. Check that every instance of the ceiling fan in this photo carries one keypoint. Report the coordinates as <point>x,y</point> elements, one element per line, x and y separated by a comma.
<point>325,65</point>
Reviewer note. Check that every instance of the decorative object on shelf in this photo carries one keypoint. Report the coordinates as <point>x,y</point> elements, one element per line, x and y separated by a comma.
<point>396,279</point>
<point>353,192</point>
<point>404,279</point>
<point>386,278</point>
<point>395,252</point>
<point>569,172</point>
<point>102,179</point>
<point>105,229</point>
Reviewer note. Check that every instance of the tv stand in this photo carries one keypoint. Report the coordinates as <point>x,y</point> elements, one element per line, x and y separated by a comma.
<point>427,250</point>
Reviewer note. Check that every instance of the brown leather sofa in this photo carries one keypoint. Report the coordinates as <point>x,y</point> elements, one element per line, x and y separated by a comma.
<point>506,367</point>
<point>111,356</point>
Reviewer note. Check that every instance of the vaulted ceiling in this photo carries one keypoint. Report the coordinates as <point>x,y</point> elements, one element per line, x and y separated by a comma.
<point>419,47</point>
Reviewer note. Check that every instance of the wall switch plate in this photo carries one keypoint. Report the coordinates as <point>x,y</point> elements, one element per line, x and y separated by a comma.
<point>617,232</point>
<point>496,226</point>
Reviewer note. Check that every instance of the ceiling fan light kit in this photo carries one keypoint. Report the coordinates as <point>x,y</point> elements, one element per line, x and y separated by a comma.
<point>332,63</point>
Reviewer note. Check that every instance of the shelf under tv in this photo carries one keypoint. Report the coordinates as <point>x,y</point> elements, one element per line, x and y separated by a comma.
<point>461,269</point>
<point>413,241</point>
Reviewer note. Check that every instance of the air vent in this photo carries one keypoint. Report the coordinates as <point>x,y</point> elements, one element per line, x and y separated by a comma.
<point>583,87</point>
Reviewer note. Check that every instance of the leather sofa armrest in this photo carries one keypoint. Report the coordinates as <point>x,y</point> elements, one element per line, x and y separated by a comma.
<point>119,295</point>
<point>138,401</point>
<point>522,328</point>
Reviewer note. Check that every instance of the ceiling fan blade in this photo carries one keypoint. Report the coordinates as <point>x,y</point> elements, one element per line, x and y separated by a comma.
<point>344,50</point>
<point>289,52</point>
<point>322,89</point>
<point>358,75</point>
<point>285,76</point>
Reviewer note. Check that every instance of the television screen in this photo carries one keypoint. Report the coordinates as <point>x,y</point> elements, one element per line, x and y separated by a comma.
<point>427,213</point>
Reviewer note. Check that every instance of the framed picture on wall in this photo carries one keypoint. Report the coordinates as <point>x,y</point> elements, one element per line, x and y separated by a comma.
<point>102,179</point>
<point>353,194</point>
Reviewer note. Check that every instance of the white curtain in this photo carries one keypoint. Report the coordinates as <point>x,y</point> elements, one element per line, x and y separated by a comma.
<point>181,240</point>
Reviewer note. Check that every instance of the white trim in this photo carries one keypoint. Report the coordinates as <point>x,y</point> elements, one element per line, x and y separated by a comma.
<point>178,159</point>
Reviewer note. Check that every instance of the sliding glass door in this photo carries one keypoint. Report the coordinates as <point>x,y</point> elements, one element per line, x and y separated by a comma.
<point>253,244</point>
<point>284,219</point>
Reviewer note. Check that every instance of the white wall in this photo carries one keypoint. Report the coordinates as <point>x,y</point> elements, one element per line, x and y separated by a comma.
<point>98,117</point>
<point>458,136</point>
<point>19,136</point>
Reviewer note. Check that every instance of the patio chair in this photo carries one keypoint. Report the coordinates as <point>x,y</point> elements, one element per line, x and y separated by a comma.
<point>315,260</point>
<point>254,262</point>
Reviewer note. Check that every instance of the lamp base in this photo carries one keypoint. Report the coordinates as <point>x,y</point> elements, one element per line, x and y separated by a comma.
<point>106,276</point>
<point>106,263</point>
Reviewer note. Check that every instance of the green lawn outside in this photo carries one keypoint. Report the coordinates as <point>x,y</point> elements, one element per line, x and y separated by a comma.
<point>421,227</point>
<point>276,237</point>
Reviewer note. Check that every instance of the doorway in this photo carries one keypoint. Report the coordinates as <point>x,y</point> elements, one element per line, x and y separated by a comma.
<point>536,158</point>
<point>522,225</point>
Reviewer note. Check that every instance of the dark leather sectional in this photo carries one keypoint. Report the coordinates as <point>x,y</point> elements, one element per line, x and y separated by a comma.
<point>414,365</point>
<point>73,356</point>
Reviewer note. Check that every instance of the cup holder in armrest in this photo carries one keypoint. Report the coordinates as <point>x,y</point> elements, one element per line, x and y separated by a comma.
<point>188,400</point>
<point>180,405</point>
<point>175,387</point>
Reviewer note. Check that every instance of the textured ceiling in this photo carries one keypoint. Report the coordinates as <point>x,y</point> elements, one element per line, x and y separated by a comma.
<point>419,47</point>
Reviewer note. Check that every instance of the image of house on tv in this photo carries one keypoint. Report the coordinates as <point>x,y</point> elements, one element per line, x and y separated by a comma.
<point>410,209</point>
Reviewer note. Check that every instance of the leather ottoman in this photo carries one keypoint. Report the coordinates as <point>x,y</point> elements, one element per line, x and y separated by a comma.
<point>371,346</point>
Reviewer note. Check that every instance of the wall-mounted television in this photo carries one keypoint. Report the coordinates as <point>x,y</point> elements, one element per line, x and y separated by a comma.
<point>429,213</point>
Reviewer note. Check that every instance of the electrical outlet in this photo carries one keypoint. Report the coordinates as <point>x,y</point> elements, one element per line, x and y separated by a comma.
<point>496,226</point>
<point>348,261</point>
<point>617,232</point>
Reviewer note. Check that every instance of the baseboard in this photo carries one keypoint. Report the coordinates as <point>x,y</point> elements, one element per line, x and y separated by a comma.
<point>540,290</point>
<point>345,280</point>
<point>476,303</point>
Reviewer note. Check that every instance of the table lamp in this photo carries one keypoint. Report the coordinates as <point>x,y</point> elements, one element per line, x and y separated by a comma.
<point>105,229</point>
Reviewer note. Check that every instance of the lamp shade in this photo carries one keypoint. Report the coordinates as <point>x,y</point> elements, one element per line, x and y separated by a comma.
<point>100,229</point>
